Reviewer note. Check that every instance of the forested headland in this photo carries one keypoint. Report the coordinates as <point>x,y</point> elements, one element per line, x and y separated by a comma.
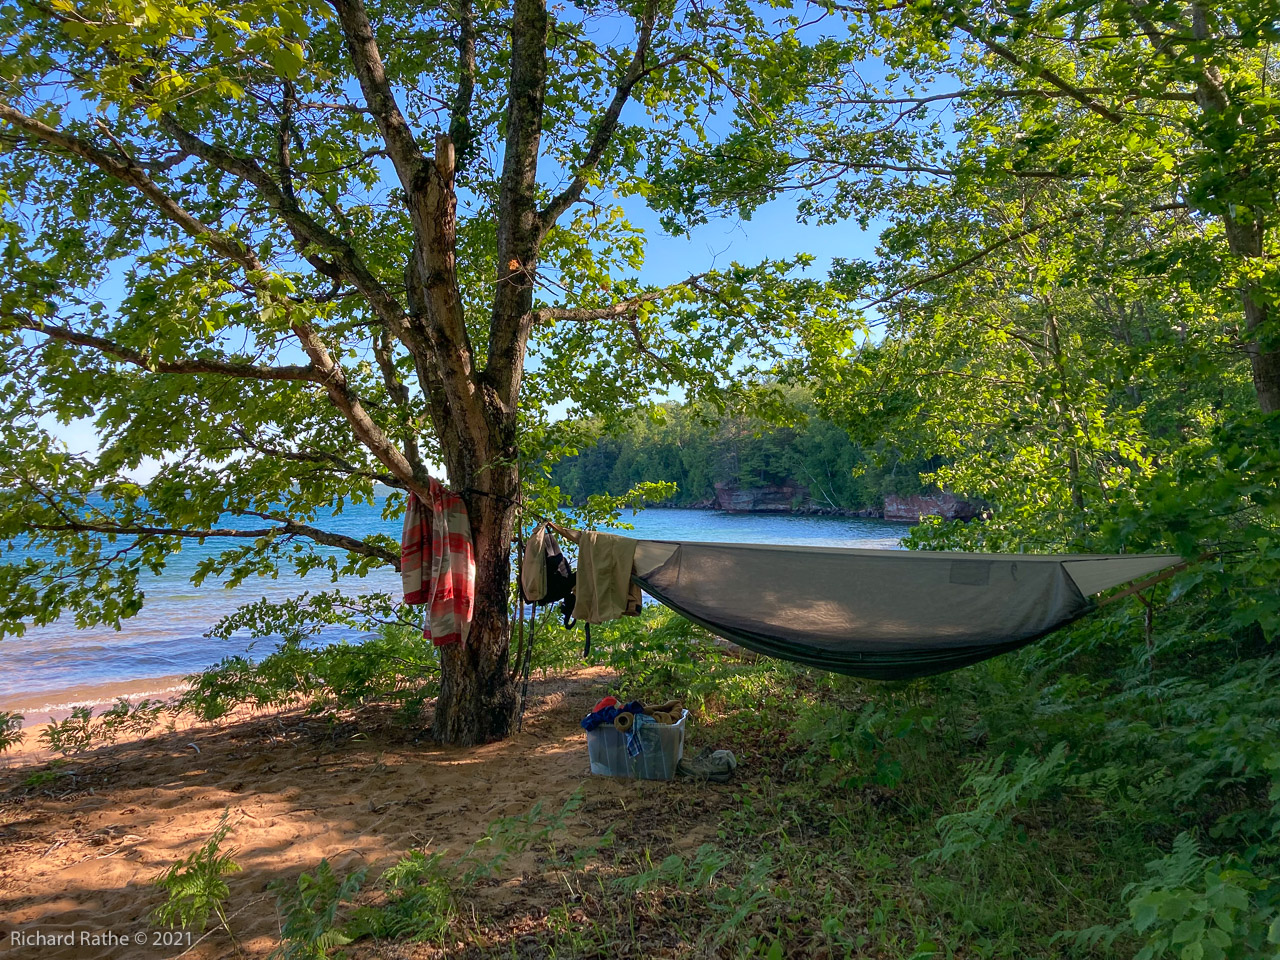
<point>811,464</point>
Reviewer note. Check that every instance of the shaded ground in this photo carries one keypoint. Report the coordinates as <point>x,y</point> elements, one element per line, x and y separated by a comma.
<point>82,842</point>
<point>825,845</point>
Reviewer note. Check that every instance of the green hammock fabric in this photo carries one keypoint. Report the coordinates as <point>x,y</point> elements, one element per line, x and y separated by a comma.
<point>881,614</point>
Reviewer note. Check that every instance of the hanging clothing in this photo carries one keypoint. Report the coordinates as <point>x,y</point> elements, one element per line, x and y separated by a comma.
<point>545,574</point>
<point>533,569</point>
<point>880,614</point>
<point>437,564</point>
<point>604,590</point>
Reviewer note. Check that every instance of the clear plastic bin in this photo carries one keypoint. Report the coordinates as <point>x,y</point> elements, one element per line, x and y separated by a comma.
<point>663,747</point>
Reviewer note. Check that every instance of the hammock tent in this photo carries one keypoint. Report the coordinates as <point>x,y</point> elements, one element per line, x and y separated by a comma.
<point>880,614</point>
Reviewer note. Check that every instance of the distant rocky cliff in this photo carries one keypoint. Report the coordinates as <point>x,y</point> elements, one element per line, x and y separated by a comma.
<point>945,505</point>
<point>793,497</point>
<point>770,499</point>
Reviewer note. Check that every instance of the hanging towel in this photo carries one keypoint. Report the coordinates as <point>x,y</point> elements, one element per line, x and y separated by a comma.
<point>446,580</point>
<point>604,590</point>
<point>533,569</point>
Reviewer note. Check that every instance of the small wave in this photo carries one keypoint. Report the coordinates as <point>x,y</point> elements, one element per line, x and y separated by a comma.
<point>32,707</point>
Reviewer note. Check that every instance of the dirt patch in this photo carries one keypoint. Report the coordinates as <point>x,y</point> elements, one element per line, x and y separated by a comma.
<point>82,842</point>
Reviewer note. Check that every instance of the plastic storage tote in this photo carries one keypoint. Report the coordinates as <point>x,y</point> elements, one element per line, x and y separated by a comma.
<point>663,745</point>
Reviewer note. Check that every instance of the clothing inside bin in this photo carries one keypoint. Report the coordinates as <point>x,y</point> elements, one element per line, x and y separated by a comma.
<point>647,750</point>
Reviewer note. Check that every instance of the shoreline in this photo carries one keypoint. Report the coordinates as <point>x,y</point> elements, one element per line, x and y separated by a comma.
<point>39,707</point>
<point>835,513</point>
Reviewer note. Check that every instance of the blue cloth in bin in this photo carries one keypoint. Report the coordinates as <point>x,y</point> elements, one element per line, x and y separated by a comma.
<point>601,717</point>
<point>634,746</point>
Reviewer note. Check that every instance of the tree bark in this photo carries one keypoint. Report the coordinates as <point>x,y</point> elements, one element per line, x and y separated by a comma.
<point>1073,453</point>
<point>477,701</point>
<point>1245,238</point>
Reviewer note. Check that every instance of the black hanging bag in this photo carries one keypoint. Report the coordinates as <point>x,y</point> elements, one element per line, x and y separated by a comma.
<point>561,580</point>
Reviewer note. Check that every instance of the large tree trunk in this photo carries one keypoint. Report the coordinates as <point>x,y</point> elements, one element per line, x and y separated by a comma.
<point>472,397</point>
<point>477,702</point>
<point>1266,377</point>
<point>1245,239</point>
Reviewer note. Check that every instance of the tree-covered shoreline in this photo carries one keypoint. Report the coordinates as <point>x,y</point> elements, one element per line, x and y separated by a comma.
<point>800,461</point>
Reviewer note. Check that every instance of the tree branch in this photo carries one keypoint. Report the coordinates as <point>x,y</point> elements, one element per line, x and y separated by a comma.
<point>335,382</point>
<point>995,93</point>
<point>330,375</point>
<point>1003,242</point>
<point>283,133</point>
<point>339,463</point>
<point>608,124</point>
<point>460,120</point>
<point>611,311</point>
<point>1042,72</point>
<point>431,202</point>
<point>519,228</point>
<point>243,371</point>
<point>129,172</point>
<point>291,528</point>
<point>286,527</point>
<point>407,157</point>
<point>344,262</point>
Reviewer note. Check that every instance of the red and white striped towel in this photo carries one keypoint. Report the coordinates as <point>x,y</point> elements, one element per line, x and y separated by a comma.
<point>445,581</point>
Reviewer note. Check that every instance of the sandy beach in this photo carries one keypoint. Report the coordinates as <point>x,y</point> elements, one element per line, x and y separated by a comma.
<point>41,707</point>
<point>83,839</point>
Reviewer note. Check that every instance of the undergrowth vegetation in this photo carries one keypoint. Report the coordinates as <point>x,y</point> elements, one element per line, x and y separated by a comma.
<point>394,664</point>
<point>1075,799</point>
<point>195,888</point>
<point>1106,792</point>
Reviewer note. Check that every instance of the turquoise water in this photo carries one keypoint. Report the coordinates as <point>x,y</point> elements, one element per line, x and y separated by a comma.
<point>167,638</point>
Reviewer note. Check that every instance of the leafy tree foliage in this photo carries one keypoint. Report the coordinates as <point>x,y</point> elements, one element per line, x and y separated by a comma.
<point>1074,289</point>
<point>1068,117</point>
<point>293,249</point>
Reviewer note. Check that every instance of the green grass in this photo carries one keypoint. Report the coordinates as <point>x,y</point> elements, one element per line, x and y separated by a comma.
<point>1033,806</point>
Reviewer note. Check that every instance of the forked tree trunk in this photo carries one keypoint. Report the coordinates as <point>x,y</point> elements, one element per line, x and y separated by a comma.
<point>477,424</point>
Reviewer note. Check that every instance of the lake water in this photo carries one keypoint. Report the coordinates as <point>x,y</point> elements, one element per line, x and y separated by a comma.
<point>45,669</point>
